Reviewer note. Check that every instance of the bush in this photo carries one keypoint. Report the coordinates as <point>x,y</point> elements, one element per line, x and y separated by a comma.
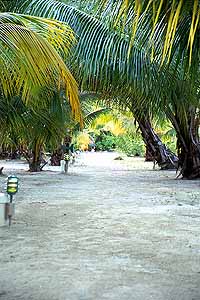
<point>126,143</point>
<point>105,142</point>
<point>130,145</point>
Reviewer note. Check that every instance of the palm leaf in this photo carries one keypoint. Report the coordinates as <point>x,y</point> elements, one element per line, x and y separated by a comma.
<point>170,13</point>
<point>101,54</point>
<point>28,61</point>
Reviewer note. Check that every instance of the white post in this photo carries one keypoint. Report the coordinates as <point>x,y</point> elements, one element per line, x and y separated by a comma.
<point>62,166</point>
<point>3,201</point>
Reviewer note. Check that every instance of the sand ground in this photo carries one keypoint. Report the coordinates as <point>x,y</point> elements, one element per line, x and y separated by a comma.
<point>109,230</point>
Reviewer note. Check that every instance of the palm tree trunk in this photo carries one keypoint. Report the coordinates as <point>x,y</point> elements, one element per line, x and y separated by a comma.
<point>35,162</point>
<point>148,155</point>
<point>154,146</point>
<point>190,160</point>
<point>188,143</point>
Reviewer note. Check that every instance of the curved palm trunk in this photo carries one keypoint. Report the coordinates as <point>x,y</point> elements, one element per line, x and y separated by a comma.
<point>148,155</point>
<point>154,146</point>
<point>188,143</point>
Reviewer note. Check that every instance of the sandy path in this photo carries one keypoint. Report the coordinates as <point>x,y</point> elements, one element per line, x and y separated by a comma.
<point>110,229</point>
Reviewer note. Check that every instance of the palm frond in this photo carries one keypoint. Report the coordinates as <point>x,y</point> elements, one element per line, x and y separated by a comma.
<point>101,53</point>
<point>28,61</point>
<point>90,117</point>
<point>170,12</point>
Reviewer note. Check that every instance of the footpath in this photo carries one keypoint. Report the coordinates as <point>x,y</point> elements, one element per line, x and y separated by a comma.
<point>109,230</point>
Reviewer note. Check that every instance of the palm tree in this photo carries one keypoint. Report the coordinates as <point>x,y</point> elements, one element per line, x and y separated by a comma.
<point>169,40</point>
<point>30,64</point>
<point>45,128</point>
<point>100,64</point>
<point>169,30</point>
<point>31,130</point>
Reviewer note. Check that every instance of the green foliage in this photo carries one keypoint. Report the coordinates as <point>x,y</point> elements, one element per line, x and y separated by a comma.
<point>105,142</point>
<point>30,59</point>
<point>130,145</point>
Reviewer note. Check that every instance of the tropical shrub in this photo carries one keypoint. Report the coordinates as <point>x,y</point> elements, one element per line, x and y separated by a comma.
<point>130,145</point>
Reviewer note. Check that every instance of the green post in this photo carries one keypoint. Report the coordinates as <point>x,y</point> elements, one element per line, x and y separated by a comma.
<point>12,189</point>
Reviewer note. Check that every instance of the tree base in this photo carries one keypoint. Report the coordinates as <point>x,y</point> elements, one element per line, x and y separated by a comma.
<point>191,174</point>
<point>35,167</point>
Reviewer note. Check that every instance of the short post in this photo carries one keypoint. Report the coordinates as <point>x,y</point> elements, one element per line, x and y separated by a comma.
<point>12,189</point>
<point>3,207</point>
